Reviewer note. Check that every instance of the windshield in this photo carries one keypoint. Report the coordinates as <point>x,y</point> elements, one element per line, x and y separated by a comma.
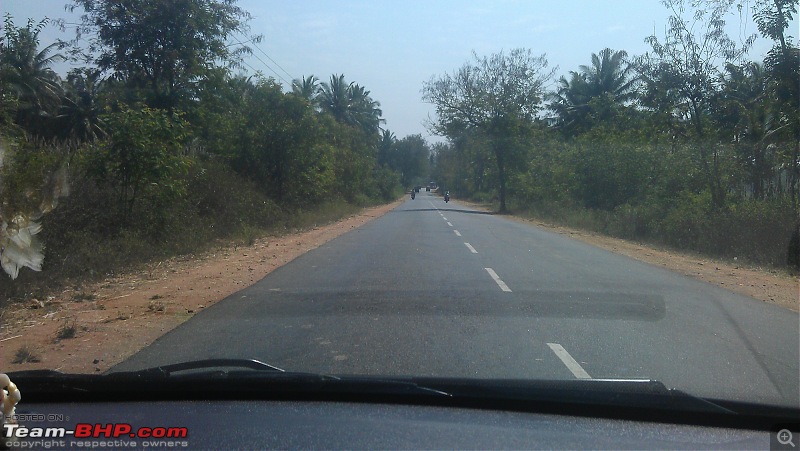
<point>485,190</point>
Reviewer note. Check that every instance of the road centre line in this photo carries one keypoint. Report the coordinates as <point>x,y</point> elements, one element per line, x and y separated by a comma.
<point>457,232</point>
<point>571,364</point>
<point>444,218</point>
<point>448,223</point>
<point>497,280</point>
<point>471,249</point>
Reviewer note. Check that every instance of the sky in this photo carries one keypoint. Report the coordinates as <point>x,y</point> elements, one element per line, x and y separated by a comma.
<point>391,47</point>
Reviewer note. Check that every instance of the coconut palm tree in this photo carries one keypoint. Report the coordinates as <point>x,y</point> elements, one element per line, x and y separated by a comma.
<point>594,92</point>
<point>26,71</point>
<point>334,97</point>
<point>350,104</point>
<point>306,87</point>
<point>79,115</point>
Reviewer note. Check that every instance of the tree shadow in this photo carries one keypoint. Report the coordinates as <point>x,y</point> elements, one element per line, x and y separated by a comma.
<point>456,210</point>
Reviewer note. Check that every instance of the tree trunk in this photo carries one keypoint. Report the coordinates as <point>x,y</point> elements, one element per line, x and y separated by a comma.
<point>501,174</point>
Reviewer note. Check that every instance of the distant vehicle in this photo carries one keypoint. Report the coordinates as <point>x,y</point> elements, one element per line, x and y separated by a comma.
<point>427,188</point>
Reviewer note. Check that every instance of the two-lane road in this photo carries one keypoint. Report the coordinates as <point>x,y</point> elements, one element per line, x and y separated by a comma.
<point>436,289</point>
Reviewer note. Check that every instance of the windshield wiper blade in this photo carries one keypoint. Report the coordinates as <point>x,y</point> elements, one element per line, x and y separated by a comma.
<point>205,364</point>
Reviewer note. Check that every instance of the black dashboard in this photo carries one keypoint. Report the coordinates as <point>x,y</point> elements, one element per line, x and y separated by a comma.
<point>343,425</point>
<point>192,406</point>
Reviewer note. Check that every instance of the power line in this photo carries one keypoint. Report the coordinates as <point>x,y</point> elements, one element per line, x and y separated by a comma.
<point>262,62</point>
<point>265,63</point>
<point>275,62</point>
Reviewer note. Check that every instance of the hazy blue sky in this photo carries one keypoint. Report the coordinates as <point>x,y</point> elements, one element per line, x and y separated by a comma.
<point>392,47</point>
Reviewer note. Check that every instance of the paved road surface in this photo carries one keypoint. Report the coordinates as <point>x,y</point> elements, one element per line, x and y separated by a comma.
<point>435,289</point>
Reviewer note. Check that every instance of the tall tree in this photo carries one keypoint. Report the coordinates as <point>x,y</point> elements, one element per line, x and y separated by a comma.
<point>27,74</point>
<point>684,70</point>
<point>306,87</point>
<point>351,104</point>
<point>79,115</point>
<point>596,92</point>
<point>163,48</point>
<point>496,96</point>
<point>388,139</point>
<point>783,75</point>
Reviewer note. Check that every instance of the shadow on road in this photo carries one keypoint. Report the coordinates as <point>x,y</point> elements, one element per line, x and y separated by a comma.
<point>456,210</point>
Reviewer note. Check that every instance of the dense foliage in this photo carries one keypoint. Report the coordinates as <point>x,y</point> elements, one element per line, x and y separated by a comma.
<point>163,147</point>
<point>689,145</point>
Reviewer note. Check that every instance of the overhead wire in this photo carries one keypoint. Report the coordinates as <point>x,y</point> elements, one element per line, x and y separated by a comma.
<point>265,63</point>
<point>274,62</point>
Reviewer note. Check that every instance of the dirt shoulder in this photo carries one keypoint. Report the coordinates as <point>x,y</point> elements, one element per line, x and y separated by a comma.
<point>766,285</point>
<point>98,326</point>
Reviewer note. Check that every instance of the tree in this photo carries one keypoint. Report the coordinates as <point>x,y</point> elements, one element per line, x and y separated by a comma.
<point>282,147</point>
<point>142,155</point>
<point>163,48</point>
<point>410,156</point>
<point>385,147</point>
<point>306,87</point>
<point>79,115</point>
<point>350,103</point>
<point>683,73</point>
<point>783,77</point>
<point>497,96</point>
<point>27,75</point>
<point>596,92</point>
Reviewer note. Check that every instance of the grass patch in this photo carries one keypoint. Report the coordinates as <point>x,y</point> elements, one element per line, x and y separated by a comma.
<point>25,355</point>
<point>757,233</point>
<point>80,297</point>
<point>66,331</point>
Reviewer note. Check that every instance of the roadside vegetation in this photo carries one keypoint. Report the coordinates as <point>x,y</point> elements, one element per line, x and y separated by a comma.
<point>690,145</point>
<point>160,146</point>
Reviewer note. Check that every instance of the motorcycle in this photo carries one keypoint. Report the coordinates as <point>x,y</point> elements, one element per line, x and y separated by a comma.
<point>447,197</point>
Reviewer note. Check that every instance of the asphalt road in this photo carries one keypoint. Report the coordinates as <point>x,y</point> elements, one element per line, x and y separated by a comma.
<point>435,289</point>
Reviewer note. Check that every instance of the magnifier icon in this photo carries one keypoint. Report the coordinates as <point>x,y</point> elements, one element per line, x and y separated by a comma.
<point>785,437</point>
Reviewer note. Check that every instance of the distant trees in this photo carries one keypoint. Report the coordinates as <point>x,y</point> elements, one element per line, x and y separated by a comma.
<point>410,157</point>
<point>494,96</point>
<point>155,113</point>
<point>689,145</point>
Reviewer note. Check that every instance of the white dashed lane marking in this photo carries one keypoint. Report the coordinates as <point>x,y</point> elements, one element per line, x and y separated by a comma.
<point>497,280</point>
<point>571,364</point>
<point>471,249</point>
<point>448,223</point>
<point>457,232</point>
